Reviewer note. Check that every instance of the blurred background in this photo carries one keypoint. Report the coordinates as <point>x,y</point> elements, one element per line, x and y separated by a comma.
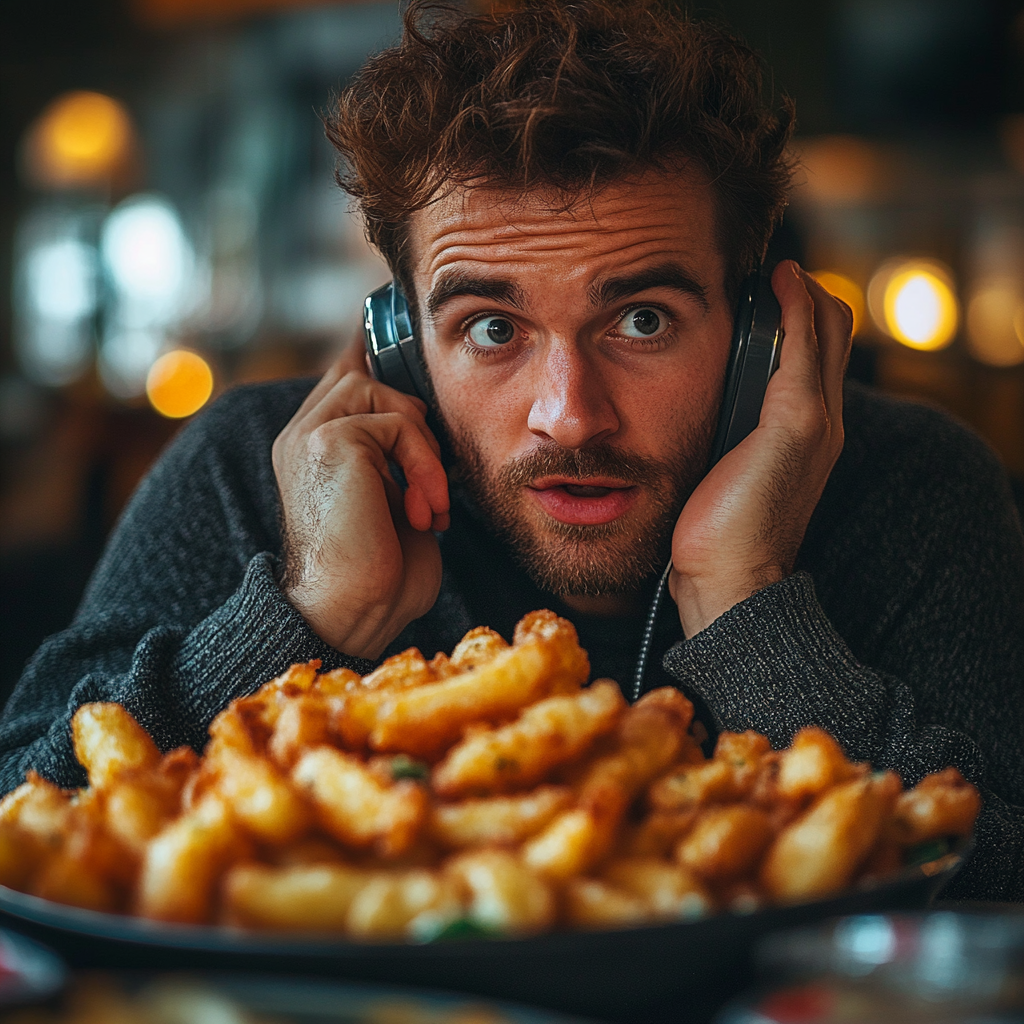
<point>169,227</point>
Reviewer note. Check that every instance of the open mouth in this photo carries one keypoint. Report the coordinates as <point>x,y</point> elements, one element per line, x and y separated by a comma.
<point>583,503</point>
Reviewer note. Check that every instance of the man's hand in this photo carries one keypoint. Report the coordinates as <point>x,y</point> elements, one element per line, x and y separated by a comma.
<point>743,525</point>
<point>361,560</point>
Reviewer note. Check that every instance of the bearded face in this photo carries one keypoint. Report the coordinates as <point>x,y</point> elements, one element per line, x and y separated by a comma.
<point>584,559</point>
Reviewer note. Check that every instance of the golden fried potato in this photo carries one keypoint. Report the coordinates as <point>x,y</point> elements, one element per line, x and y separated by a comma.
<point>422,720</point>
<point>108,741</point>
<point>39,809</point>
<point>818,853</point>
<point>812,764</point>
<point>592,903</point>
<point>304,722</point>
<point>505,895</point>
<point>725,842</point>
<point>546,734</point>
<point>689,786</point>
<point>260,798</point>
<point>309,897</point>
<point>414,903</point>
<point>355,806</point>
<point>20,855</point>
<point>182,865</point>
<point>476,648</point>
<point>497,820</point>
<point>64,878</point>
<point>941,805</point>
<point>669,891</point>
<point>657,834</point>
<point>399,672</point>
<point>649,736</point>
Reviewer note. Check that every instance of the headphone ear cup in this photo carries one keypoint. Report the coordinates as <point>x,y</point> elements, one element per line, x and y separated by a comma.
<point>391,347</point>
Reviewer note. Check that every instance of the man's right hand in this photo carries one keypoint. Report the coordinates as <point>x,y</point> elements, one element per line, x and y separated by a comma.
<point>361,561</point>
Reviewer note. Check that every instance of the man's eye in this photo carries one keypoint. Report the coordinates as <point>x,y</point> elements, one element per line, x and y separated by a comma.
<point>492,331</point>
<point>643,322</point>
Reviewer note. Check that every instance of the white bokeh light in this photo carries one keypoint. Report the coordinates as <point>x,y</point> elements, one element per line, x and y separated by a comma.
<point>60,279</point>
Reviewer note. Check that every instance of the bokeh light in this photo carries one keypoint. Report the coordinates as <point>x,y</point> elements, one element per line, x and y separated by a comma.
<point>995,323</point>
<point>81,138</point>
<point>846,289</point>
<point>179,383</point>
<point>914,302</point>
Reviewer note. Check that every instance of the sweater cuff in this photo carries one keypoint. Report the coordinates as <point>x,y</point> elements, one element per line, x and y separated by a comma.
<point>774,663</point>
<point>252,638</point>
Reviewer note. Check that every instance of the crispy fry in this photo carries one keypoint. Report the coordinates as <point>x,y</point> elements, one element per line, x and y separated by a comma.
<point>302,723</point>
<point>592,903</point>
<point>476,648</point>
<point>669,891</point>
<point>396,903</point>
<point>498,820</point>
<point>39,809</point>
<point>649,737</point>
<point>657,833</point>
<point>504,894</point>
<point>313,897</point>
<point>811,765</point>
<point>260,798</point>
<point>520,754</point>
<point>942,804</point>
<point>726,842</point>
<point>355,807</point>
<point>108,741</point>
<point>182,864</point>
<point>421,720</point>
<point>818,853</point>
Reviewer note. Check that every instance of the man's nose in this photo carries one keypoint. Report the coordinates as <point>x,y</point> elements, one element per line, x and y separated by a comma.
<point>571,403</point>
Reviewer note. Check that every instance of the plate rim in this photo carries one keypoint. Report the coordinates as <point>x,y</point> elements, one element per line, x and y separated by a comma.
<point>126,928</point>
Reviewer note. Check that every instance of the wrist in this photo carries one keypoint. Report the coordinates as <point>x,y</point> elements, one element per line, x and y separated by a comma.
<point>702,599</point>
<point>333,625</point>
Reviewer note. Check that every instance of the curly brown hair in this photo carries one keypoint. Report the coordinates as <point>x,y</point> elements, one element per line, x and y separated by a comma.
<point>566,97</point>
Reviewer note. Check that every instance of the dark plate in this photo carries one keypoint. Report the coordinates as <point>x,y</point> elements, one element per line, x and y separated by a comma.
<point>673,972</point>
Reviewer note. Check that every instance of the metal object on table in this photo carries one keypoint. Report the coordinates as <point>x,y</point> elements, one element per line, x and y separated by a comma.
<point>934,968</point>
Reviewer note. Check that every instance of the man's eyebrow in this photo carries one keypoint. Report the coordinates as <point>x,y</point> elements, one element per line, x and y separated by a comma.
<point>664,275</point>
<point>452,284</point>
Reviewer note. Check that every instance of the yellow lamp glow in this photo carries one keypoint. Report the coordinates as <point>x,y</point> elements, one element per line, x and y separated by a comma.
<point>846,289</point>
<point>81,138</point>
<point>913,301</point>
<point>179,383</point>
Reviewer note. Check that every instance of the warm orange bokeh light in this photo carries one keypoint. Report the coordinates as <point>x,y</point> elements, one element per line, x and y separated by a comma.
<point>846,289</point>
<point>179,383</point>
<point>81,138</point>
<point>914,301</point>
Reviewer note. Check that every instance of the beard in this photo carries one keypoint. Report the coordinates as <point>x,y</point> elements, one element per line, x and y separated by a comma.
<point>583,560</point>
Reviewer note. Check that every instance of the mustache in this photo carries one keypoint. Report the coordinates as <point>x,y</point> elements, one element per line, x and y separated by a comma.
<point>581,463</point>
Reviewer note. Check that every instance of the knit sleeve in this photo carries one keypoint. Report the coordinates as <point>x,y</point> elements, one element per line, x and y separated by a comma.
<point>184,612</point>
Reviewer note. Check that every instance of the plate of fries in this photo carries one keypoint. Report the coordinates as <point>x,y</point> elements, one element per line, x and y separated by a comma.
<point>486,821</point>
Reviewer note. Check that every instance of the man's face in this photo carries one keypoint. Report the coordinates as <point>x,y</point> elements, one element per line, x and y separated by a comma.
<point>577,358</point>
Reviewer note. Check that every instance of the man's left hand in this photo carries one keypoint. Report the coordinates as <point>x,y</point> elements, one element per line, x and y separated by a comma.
<point>743,525</point>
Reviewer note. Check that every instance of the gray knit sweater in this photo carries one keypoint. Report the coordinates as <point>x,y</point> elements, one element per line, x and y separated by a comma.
<point>901,633</point>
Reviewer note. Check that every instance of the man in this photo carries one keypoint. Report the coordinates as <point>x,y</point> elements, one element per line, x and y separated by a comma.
<point>570,196</point>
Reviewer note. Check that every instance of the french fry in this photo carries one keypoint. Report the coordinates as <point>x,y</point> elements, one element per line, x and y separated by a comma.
<point>498,820</point>
<point>20,856</point>
<point>818,853</point>
<point>313,897</point>
<point>656,835</point>
<point>726,842</point>
<point>812,764</point>
<point>183,863</point>
<point>546,734</point>
<point>422,720</point>
<point>941,805</point>
<point>38,809</point>
<point>504,894</point>
<point>669,891</point>
<point>303,723</point>
<point>108,742</point>
<point>403,903</point>
<point>260,798</point>
<point>355,806</point>
<point>649,736</point>
<point>592,903</point>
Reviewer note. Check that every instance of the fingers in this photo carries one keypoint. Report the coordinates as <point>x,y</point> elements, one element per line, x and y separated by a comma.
<point>833,321</point>
<point>818,329</point>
